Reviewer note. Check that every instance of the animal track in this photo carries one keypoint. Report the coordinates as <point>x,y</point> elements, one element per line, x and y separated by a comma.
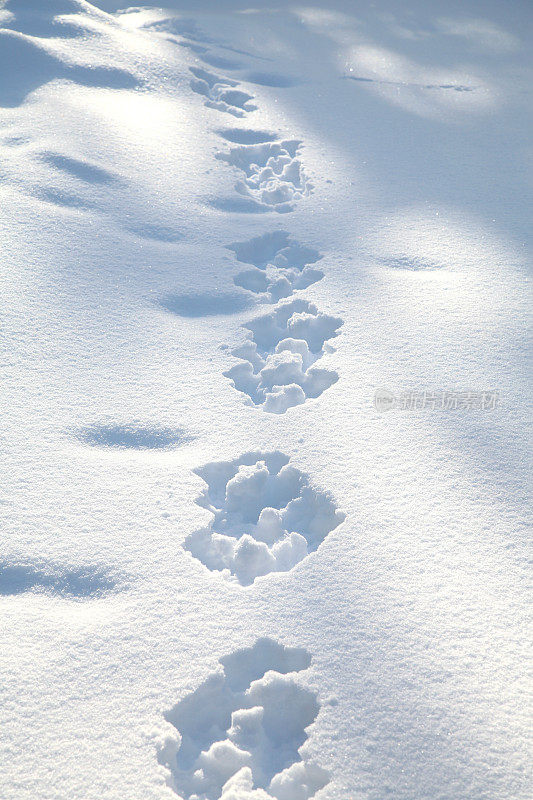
<point>267,517</point>
<point>243,729</point>
<point>280,266</point>
<point>221,93</point>
<point>276,370</point>
<point>274,177</point>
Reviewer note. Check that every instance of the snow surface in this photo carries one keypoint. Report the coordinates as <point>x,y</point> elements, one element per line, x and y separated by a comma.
<point>224,573</point>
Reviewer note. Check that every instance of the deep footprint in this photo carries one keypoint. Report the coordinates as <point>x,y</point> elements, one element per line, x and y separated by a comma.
<point>277,364</point>
<point>273,175</point>
<point>267,517</point>
<point>280,265</point>
<point>221,94</point>
<point>243,730</point>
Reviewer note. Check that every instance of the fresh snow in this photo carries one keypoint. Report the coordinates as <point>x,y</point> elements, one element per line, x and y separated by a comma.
<point>229,569</point>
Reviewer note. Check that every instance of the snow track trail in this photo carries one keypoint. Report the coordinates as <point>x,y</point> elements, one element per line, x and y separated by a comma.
<point>239,561</point>
<point>266,517</point>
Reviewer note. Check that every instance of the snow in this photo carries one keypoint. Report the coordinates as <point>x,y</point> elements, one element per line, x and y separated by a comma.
<point>275,368</point>
<point>266,517</point>
<point>264,714</point>
<point>224,573</point>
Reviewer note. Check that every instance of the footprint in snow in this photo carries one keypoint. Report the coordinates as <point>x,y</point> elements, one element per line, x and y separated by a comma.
<point>267,517</point>
<point>220,93</point>
<point>273,175</point>
<point>279,266</point>
<point>242,731</point>
<point>276,368</point>
<point>246,135</point>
